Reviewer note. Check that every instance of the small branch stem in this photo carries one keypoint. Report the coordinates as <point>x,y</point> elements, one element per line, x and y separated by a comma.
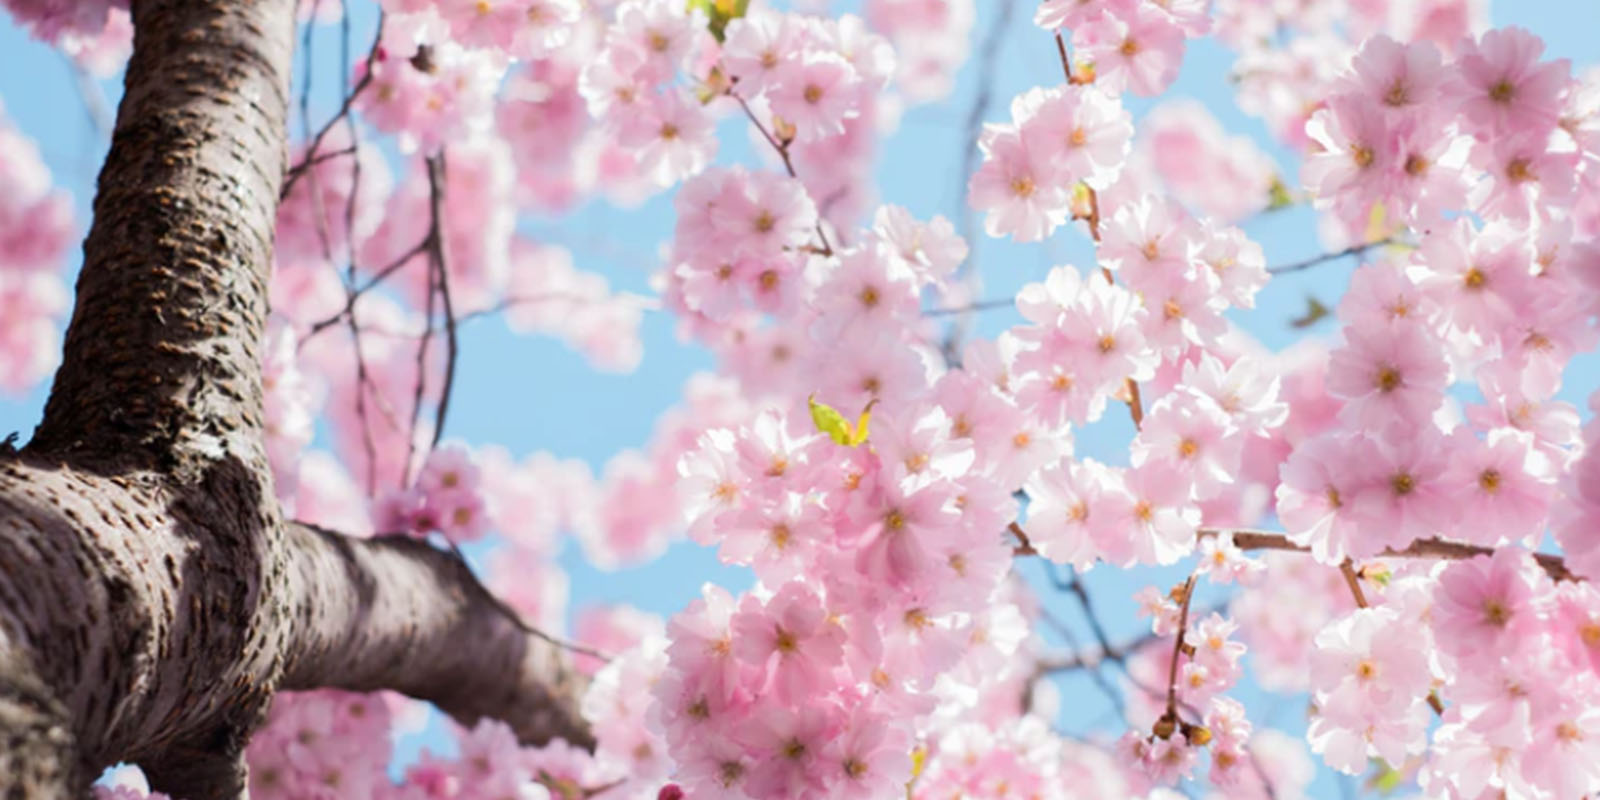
<point>309,159</point>
<point>1352,250</point>
<point>436,167</point>
<point>1353,580</point>
<point>1177,651</point>
<point>1421,548</point>
<point>1066,60</point>
<point>782,149</point>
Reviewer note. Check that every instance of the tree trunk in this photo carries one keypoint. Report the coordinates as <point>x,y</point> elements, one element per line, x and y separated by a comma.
<point>152,598</point>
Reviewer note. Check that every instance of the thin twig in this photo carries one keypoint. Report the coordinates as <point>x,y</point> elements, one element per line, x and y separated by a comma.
<point>364,381</point>
<point>436,185</point>
<point>977,305</point>
<point>1094,227</point>
<point>1066,60</point>
<point>1177,651</point>
<point>1131,386</point>
<point>1351,579</point>
<point>1109,652</point>
<point>299,169</point>
<point>1074,584</point>
<point>988,59</point>
<point>378,278</point>
<point>516,618</point>
<point>1352,250</point>
<point>329,156</point>
<point>1024,546</point>
<point>1118,654</point>
<point>782,148</point>
<point>1096,676</point>
<point>1135,404</point>
<point>435,264</point>
<point>1421,548</point>
<point>94,98</point>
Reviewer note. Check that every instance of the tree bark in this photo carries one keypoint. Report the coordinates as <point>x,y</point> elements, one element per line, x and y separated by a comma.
<point>395,613</point>
<point>152,598</point>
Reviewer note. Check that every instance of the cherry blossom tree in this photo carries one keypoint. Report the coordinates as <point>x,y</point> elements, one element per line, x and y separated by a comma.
<point>1401,520</point>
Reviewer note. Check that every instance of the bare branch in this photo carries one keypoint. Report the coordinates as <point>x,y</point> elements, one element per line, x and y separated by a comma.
<point>781,147</point>
<point>442,271</point>
<point>988,60</point>
<point>1444,549</point>
<point>1421,548</point>
<point>1352,250</point>
<point>977,305</point>
<point>1186,596</point>
<point>343,113</point>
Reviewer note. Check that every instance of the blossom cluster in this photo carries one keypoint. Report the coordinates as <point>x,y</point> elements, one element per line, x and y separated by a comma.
<point>1407,136</point>
<point>878,475</point>
<point>68,21</point>
<point>812,689</point>
<point>1032,169</point>
<point>337,745</point>
<point>1127,44</point>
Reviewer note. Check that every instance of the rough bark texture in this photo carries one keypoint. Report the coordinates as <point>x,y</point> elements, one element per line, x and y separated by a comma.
<point>152,599</point>
<point>159,368</point>
<point>395,613</point>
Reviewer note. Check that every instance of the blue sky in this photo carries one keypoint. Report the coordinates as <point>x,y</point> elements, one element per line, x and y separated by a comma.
<point>531,394</point>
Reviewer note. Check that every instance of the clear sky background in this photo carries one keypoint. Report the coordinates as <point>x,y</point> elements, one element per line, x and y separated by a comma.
<point>532,394</point>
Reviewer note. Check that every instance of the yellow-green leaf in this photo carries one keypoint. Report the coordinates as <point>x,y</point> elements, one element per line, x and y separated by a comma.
<point>1278,195</point>
<point>831,422</point>
<point>919,760</point>
<point>719,13</point>
<point>860,434</point>
<point>1385,779</point>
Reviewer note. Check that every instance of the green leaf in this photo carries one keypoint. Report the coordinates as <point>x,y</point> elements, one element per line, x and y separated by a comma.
<point>831,422</point>
<point>1386,780</point>
<point>1278,195</point>
<point>1315,312</point>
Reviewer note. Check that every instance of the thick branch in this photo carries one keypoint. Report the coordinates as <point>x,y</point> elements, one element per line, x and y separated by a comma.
<point>395,613</point>
<point>161,362</point>
<point>150,617</point>
<point>38,754</point>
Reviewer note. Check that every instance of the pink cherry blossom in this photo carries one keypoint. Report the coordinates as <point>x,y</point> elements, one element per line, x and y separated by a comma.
<point>1388,373</point>
<point>1485,602</point>
<point>816,95</point>
<point>1504,87</point>
<point>1133,46</point>
<point>1018,186</point>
